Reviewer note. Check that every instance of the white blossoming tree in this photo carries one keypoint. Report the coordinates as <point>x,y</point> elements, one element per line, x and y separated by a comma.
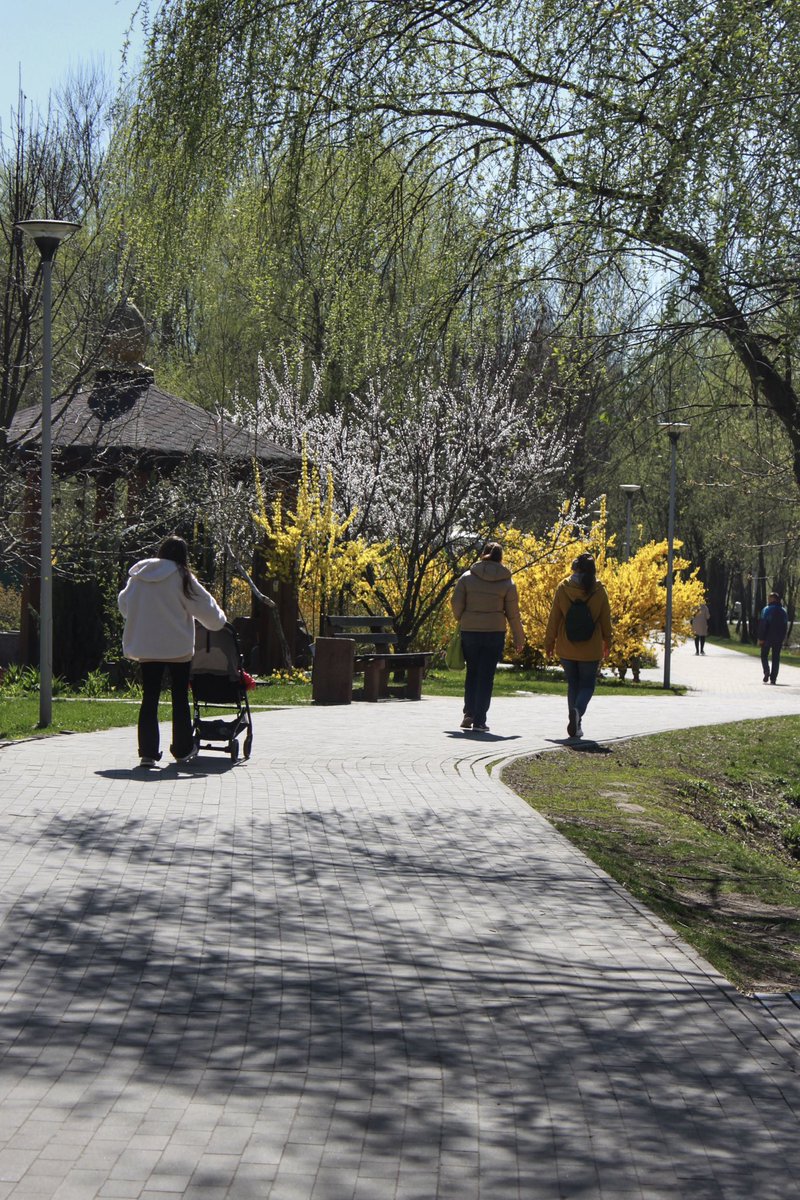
<point>448,457</point>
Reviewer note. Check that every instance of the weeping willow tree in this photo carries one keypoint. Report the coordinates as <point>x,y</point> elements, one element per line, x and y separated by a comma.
<point>264,226</point>
<point>657,142</point>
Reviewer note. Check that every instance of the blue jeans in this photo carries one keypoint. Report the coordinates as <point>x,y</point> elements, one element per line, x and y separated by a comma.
<point>776,660</point>
<point>581,678</point>
<point>152,675</point>
<point>482,653</point>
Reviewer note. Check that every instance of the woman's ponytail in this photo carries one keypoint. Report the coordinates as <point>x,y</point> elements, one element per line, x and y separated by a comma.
<point>174,549</point>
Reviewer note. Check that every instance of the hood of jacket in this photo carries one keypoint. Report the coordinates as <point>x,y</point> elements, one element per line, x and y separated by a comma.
<point>574,589</point>
<point>153,570</point>
<point>494,572</point>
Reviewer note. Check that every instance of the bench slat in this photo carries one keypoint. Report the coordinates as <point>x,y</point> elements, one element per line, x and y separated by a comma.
<point>353,622</point>
<point>397,661</point>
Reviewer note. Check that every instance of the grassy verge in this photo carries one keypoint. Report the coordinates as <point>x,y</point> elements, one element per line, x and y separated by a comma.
<point>789,658</point>
<point>517,682</point>
<point>19,715</point>
<point>702,826</point>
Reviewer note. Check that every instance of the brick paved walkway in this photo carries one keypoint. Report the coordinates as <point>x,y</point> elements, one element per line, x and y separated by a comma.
<point>359,967</point>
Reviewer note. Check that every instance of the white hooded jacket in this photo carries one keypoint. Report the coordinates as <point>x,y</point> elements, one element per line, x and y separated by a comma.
<point>159,617</point>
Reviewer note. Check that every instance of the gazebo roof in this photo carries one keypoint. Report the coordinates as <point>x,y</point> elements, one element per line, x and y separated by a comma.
<point>125,415</point>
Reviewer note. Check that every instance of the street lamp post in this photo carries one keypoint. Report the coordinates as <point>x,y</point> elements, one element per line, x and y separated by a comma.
<point>674,429</point>
<point>630,490</point>
<point>47,236</point>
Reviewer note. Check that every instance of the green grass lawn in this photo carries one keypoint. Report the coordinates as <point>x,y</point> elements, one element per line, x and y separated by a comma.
<point>515,682</point>
<point>701,825</point>
<point>19,714</point>
<point>790,658</point>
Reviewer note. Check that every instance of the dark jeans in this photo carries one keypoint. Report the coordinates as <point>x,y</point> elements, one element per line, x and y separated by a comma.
<point>699,643</point>
<point>581,679</point>
<point>152,676</point>
<point>482,653</point>
<point>776,660</point>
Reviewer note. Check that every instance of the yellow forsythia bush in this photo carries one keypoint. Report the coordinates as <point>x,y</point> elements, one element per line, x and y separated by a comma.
<point>307,545</point>
<point>392,584</point>
<point>636,589</point>
<point>637,593</point>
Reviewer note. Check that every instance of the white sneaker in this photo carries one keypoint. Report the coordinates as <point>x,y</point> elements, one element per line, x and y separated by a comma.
<point>190,757</point>
<point>144,761</point>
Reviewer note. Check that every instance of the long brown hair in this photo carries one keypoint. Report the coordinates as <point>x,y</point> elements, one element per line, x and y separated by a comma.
<point>174,549</point>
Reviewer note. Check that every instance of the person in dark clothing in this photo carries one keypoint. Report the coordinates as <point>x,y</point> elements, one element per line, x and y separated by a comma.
<point>772,628</point>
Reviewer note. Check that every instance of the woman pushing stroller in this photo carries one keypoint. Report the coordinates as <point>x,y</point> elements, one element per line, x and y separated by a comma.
<point>160,603</point>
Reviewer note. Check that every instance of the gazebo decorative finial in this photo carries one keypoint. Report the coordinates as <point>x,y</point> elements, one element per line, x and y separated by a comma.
<point>127,337</point>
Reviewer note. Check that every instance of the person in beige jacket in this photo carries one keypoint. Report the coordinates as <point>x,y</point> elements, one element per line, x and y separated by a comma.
<point>484,601</point>
<point>580,657</point>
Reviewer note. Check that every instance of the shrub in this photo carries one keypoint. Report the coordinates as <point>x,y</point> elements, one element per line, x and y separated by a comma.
<point>9,608</point>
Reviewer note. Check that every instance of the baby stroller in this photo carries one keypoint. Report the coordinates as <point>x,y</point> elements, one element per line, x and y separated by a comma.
<point>217,678</point>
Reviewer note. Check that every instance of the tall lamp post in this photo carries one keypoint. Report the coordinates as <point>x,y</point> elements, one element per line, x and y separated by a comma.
<point>47,235</point>
<point>673,429</point>
<point>630,490</point>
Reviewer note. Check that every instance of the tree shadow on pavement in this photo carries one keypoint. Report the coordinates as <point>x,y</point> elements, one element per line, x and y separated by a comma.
<point>439,987</point>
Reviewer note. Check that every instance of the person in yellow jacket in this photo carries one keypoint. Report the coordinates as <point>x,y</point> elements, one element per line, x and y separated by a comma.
<point>484,600</point>
<point>579,630</point>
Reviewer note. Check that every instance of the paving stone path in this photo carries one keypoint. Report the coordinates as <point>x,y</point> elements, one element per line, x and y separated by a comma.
<point>358,967</point>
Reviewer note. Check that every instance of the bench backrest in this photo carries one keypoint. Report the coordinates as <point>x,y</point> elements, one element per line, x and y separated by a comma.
<point>368,631</point>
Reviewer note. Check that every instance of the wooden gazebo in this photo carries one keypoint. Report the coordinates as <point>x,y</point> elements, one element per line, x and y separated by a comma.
<point>123,426</point>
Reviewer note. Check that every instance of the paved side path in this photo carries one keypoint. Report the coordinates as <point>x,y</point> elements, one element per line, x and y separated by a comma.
<point>358,966</point>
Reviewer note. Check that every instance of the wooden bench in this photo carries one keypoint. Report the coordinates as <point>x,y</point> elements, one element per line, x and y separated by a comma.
<point>348,646</point>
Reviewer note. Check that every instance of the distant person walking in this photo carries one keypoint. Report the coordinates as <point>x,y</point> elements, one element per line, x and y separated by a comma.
<point>772,629</point>
<point>579,630</point>
<point>160,603</point>
<point>699,623</point>
<point>485,600</point>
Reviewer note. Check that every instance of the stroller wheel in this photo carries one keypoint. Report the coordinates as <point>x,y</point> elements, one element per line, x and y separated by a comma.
<point>234,751</point>
<point>248,745</point>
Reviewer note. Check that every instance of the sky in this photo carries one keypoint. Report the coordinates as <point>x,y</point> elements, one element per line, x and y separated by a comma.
<point>45,40</point>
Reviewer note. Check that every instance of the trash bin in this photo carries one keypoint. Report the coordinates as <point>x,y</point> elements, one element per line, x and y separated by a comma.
<point>332,672</point>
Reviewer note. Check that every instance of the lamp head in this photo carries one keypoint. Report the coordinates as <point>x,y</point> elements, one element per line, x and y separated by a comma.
<point>48,235</point>
<point>630,488</point>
